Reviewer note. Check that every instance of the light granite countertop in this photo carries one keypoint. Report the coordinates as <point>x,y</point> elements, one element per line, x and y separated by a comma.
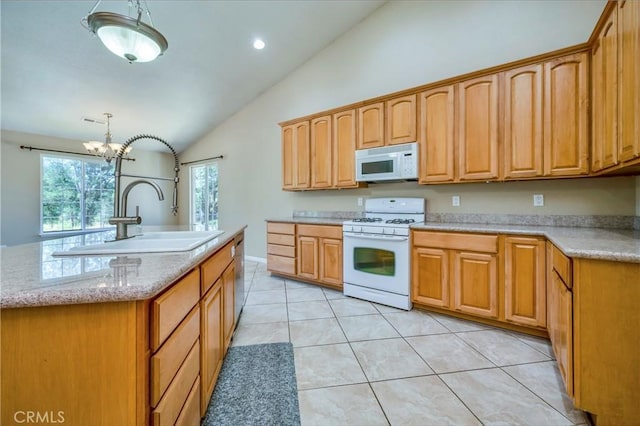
<point>31,276</point>
<point>622,245</point>
<point>310,220</point>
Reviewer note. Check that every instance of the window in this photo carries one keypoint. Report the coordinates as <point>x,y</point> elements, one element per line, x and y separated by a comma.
<point>204,197</point>
<point>76,195</point>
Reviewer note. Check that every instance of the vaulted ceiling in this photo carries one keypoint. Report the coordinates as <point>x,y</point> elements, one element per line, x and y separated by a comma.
<point>54,72</point>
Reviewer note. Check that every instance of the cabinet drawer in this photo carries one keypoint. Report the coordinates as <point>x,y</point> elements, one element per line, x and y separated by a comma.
<point>281,228</point>
<point>286,265</point>
<point>562,265</point>
<point>190,414</point>
<point>213,267</point>
<point>281,239</point>
<point>174,399</point>
<point>320,231</point>
<point>455,241</point>
<point>278,250</point>
<point>168,309</point>
<point>165,363</point>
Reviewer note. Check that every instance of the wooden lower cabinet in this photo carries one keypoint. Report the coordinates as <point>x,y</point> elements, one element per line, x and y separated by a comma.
<point>330,261</point>
<point>316,255</point>
<point>561,327</point>
<point>228,303</point>
<point>475,283</point>
<point>430,270</point>
<point>524,281</point>
<point>211,335</point>
<point>446,275</point>
<point>606,338</point>
<point>308,257</point>
<point>494,277</point>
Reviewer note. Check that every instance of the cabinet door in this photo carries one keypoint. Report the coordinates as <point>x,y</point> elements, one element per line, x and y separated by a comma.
<point>604,75</point>
<point>212,351</point>
<point>523,122</point>
<point>301,155</point>
<point>629,79</point>
<point>228,304</point>
<point>308,257</point>
<point>437,139</point>
<point>330,261</point>
<point>288,157</point>
<point>371,126</point>
<point>401,120</point>
<point>561,328</point>
<point>475,283</point>
<point>430,276</point>
<point>566,135</point>
<point>321,152</point>
<point>344,149</point>
<point>524,281</point>
<point>478,128</point>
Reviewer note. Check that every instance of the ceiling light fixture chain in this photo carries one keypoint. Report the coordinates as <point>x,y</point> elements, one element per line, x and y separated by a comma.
<point>126,36</point>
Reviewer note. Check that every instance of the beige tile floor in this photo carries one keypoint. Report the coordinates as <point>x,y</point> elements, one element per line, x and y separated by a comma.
<point>360,363</point>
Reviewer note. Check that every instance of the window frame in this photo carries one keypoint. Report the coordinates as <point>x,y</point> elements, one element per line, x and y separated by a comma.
<point>191,195</point>
<point>83,229</point>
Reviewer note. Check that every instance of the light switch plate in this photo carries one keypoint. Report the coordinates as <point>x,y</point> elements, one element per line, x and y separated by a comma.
<point>538,200</point>
<point>359,201</point>
<point>455,200</point>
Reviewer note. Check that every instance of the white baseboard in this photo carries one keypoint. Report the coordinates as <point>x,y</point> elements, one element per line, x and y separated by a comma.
<point>256,259</point>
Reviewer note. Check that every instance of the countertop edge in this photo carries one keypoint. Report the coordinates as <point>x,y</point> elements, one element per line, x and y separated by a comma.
<point>43,297</point>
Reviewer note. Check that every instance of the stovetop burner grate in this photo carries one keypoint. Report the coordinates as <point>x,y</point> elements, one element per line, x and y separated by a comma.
<point>368,219</point>
<point>400,221</point>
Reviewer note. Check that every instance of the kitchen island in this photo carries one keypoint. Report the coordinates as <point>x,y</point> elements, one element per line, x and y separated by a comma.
<point>114,340</point>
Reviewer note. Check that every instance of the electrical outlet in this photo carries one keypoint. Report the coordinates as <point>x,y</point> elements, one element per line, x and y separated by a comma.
<point>359,201</point>
<point>538,200</point>
<point>455,200</point>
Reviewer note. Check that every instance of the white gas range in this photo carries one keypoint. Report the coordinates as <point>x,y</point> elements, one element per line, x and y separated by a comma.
<point>376,251</point>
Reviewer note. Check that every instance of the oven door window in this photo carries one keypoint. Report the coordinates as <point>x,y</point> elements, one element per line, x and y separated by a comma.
<point>374,261</point>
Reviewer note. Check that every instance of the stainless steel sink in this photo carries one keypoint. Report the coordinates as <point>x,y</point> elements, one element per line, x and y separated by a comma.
<point>152,242</point>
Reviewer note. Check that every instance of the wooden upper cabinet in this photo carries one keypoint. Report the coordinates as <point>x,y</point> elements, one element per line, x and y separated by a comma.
<point>344,148</point>
<point>437,136</point>
<point>321,152</point>
<point>478,128</point>
<point>566,133</point>
<point>401,120</point>
<point>604,75</point>
<point>371,126</point>
<point>629,80</point>
<point>295,156</point>
<point>523,129</point>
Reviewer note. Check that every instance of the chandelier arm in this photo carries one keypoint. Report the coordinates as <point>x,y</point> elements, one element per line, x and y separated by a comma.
<point>146,9</point>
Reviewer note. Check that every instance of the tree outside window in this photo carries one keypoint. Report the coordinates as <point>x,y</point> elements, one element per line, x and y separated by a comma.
<point>204,197</point>
<point>76,195</point>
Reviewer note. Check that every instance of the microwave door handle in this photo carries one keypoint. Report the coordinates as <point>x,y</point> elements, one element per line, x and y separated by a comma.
<point>371,237</point>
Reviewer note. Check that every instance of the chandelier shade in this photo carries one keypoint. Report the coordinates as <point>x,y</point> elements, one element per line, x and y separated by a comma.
<point>106,149</point>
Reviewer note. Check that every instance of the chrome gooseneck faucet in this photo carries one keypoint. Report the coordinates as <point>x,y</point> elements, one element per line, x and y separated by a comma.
<point>120,218</point>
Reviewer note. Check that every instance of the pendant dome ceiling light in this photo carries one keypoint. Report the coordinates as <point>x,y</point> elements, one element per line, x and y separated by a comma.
<point>127,37</point>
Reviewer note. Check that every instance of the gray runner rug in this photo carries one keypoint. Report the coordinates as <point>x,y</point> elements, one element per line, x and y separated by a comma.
<point>257,386</point>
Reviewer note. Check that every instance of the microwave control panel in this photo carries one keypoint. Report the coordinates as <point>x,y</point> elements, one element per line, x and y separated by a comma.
<point>408,164</point>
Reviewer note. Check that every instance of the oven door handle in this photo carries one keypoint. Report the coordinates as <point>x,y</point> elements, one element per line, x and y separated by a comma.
<point>386,237</point>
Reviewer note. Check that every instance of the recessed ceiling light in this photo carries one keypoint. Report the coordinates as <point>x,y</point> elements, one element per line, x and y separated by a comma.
<point>258,44</point>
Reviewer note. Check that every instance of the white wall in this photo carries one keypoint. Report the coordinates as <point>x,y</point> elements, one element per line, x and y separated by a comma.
<point>20,176</point>
<point>401,45</point>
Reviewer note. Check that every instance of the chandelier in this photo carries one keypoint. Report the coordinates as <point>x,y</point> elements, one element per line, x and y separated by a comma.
<point>127,36</point>
<point>106,149</point>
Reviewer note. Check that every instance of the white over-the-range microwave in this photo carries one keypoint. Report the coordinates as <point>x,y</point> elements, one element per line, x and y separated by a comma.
<point>394,162</point>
